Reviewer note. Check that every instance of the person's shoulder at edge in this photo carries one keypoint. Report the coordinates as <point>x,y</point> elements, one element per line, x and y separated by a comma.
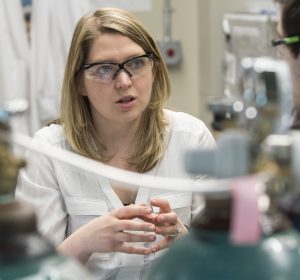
<point>52,134</point>
<point>187,124</point>
<point>184,121</point>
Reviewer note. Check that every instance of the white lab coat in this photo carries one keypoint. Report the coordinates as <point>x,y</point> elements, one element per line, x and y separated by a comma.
<point>34,72</point>
<point>52,26</point>
<point>66,198</point>
<point>14,58</point>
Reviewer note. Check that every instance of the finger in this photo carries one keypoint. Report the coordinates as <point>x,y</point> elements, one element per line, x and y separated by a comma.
<point>167,218</point>
<point>129,249</point>
<point>122,225</point>
<point>165,243</point>
<point>151,218</point>
<point>167,230</point>
<point>134,237</point>
<point>163,204</point>
<point>131,211</point>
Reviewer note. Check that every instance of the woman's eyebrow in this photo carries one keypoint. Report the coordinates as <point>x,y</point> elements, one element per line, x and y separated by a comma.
<point>114,61</point>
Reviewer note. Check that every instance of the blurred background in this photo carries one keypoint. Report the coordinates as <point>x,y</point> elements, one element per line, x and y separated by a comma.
<point>33,54</point>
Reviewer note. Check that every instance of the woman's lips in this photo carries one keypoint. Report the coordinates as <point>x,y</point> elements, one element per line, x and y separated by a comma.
<point>126,102</point>
<point>126,99</point>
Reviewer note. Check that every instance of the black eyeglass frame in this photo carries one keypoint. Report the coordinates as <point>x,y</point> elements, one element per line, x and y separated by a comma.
<point>120,65</point>
<point>286,41</point>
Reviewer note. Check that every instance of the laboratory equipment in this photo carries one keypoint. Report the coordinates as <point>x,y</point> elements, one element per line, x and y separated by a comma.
<point>24,253</point>
<point>245,233</point>
<point>245,35</point>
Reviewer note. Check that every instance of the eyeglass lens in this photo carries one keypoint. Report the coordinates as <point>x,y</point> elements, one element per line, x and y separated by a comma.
<point>106,72</point>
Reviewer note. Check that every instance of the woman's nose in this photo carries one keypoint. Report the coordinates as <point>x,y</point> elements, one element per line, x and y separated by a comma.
<point>123,78</point>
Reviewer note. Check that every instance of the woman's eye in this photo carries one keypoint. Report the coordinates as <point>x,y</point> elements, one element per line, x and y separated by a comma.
<point>136,63</point>
<point>104,69</point>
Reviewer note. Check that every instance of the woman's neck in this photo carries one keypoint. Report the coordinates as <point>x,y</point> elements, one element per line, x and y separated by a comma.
<point>118,138</point>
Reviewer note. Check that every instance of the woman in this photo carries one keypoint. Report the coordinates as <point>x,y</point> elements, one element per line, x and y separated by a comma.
<point>113,93</point>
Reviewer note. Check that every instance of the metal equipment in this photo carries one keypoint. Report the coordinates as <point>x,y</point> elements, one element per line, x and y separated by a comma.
<point>245,35</point>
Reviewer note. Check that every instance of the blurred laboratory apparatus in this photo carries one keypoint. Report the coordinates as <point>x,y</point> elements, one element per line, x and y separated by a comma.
<point>246,232</point>
<point>24,253</point>
<point>245,35</point>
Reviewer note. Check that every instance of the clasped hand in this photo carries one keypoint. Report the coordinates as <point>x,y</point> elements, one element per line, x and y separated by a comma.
<point>166,224</point>
<point>117,231</point>
<point>122,229</point>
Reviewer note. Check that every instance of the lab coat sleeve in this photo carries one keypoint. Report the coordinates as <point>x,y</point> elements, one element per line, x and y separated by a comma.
<point>37,186</point>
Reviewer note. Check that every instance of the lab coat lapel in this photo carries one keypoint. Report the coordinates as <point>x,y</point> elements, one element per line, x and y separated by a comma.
<point>109,193</point>
<point>143,196</point>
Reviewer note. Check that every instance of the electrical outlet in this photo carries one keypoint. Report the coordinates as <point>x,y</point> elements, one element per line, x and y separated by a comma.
<point>171,52</point>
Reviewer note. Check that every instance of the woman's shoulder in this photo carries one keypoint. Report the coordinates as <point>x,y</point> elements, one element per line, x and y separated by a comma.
<point>188,128</point>
<point>52,134</point>
<point>183,121</point>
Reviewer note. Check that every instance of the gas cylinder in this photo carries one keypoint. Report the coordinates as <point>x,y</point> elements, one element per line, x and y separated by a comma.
<point>24,252</point>
<point>207,252</point>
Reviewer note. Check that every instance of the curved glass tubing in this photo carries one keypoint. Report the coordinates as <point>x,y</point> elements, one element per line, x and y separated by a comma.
<point>129,179</point>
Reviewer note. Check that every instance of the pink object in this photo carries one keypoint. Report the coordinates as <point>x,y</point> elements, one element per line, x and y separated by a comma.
<point>245,216</point>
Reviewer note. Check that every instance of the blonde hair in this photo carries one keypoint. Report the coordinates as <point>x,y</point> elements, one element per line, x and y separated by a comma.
<point>75,109</point>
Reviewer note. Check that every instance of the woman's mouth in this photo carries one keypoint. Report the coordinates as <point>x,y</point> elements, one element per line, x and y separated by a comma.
<point>126,102</point>
<point>126,99</point>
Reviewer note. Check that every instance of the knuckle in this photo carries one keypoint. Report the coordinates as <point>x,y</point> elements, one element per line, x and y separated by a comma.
<point>173,215</point>
<point>131,250</point>
<point>125,224</point>
<point>126,237</point>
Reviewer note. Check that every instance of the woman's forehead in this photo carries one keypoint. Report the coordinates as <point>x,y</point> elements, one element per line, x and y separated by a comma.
<point>112,45</point>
